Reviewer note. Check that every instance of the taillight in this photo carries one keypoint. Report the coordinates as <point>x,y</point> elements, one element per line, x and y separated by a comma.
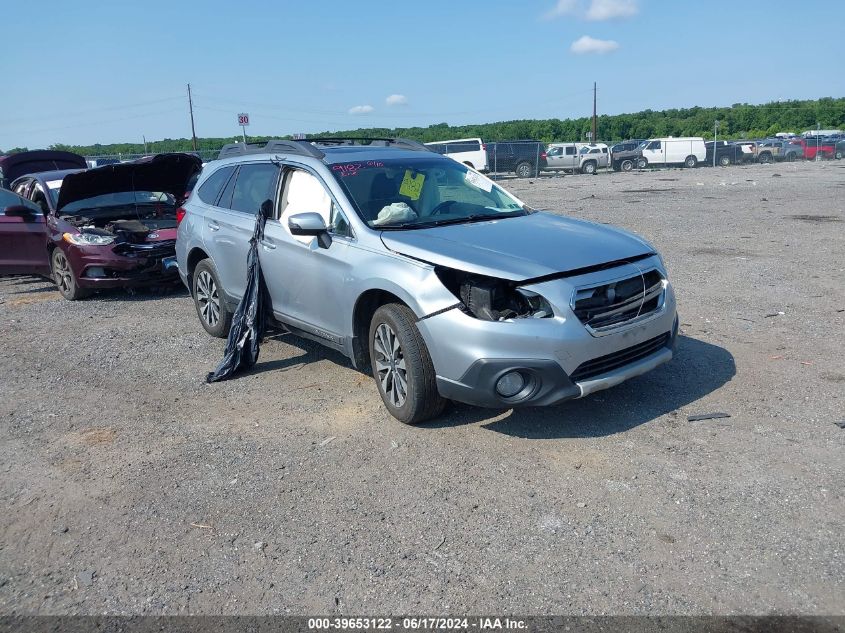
<point>543,155</point>
<point>180,215</point>
<point>484,147</point>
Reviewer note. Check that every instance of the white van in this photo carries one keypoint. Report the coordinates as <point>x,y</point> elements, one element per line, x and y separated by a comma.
<point>673,150</point>
<point>469,151</point>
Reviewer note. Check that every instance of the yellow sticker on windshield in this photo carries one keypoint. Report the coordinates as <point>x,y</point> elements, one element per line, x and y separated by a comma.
<point>412,185</point>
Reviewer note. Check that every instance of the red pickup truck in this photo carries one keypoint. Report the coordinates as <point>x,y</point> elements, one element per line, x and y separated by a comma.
<point>814,148</point>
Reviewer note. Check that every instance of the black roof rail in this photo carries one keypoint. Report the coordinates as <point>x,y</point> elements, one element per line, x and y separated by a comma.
<point>303,148</point>
<point>375,141</point>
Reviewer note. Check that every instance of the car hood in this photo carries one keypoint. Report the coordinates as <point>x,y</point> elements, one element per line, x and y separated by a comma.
<point>163,172</point>
<point>15,165</point>
<point>518,248</point>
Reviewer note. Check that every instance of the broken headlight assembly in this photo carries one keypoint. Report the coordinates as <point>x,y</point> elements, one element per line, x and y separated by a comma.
<point>491,299</point>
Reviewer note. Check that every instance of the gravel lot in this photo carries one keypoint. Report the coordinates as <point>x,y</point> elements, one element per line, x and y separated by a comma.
<point>130,486</point>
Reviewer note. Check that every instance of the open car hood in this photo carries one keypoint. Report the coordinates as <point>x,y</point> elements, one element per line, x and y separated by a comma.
<point>518,248</point>
<point>22,163</point>
<point>163,172</point>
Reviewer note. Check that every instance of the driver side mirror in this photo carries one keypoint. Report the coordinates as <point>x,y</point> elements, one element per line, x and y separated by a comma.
<point>310,224</point>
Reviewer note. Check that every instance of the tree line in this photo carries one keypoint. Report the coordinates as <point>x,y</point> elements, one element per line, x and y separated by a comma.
<point>737,121</point>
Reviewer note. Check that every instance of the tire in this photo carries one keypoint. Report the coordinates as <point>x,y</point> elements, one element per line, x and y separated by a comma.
<point>469,164</point>
<point>690,161</point>
<point>589,167</point>
<point>765,158</point>
<point>214,315</point>
<point>525,170</point>
<point>642,163</point>
<point>724,161</point>
<point>410,392</point>
<point>838,155</point>
<point>790,157</point>
<point>626,165</point>
<point>64,277</point>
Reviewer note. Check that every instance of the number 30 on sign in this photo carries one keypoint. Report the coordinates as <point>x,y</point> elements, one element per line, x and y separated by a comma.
<point>243,119</point>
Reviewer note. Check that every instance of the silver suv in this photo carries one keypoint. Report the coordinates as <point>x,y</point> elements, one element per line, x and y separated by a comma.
<point>427,273</point>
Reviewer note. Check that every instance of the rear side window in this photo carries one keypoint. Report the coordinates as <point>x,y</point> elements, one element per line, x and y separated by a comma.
<point>571,150</point>
<point>440,148</point>
<point>255,184</point>
<point>210,190</point>
<point>463,146</point>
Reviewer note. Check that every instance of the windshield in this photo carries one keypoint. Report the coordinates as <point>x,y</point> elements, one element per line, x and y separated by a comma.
<point>643,144</point>
<point>53,187</point>
<point>417,193</point>
<point>110,201</point>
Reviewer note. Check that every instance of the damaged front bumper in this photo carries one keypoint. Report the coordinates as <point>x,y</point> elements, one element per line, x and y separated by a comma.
<point>125,264</point>
<point>556,358</point>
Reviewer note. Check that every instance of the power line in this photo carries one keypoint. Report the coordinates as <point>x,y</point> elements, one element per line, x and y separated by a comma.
<point>92,110</point>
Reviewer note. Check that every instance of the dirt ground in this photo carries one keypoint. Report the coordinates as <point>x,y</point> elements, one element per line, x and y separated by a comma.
<point>130,486</point>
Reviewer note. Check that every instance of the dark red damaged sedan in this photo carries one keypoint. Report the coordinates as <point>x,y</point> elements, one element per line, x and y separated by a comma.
<point>109,227</point>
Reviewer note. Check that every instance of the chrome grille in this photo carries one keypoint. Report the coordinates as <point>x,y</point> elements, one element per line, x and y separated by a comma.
<point>612,304</point>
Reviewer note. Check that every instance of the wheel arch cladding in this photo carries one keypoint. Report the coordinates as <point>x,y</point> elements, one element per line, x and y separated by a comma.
<point>365,307</point>
<point>194,258</point>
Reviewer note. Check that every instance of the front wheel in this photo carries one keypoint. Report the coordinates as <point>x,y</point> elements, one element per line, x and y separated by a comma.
<point>724,161</point>
<point>525,170</point>
<point>63,275</point>
<point>626,165</point>
<point>402,366</point>
<point>209,300</point>
<point>765,158</point>
<point>589,167</point>
<point>838,155</point>
<point>690,161</point>
<point>642,163</point>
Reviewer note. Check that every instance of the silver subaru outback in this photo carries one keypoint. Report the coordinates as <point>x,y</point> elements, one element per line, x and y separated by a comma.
<point>426,273</point>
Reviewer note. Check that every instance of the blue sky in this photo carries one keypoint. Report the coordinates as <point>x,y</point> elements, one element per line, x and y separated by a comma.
<point>89,71</point>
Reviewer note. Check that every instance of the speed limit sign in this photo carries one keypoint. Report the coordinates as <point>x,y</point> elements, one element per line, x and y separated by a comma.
<point>243,119</point>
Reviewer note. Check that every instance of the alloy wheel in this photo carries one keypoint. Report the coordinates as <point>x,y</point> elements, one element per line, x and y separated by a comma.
<point>62,274</point>
<point>208,298</point>
<point>390,365</point>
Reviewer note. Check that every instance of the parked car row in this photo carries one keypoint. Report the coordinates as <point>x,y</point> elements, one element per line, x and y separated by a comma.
<point>528,158</point>
<point>417,267</point>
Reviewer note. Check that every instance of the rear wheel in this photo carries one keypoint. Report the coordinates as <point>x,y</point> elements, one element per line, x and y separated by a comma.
<point>525,170</point>
<point>838,155</point>
<point>642,163</point>
<point>402,366</point>
<point>64,277</point>
<point>690,161</point>
<point>724,161</point>
<point>209,300</point>
<point>790,157</point>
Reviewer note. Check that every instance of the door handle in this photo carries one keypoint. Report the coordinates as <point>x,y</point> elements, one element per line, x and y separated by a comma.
<point>268,245</point>
<point>214,226</point>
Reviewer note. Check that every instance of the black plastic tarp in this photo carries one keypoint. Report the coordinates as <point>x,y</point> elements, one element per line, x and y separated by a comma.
<point>250,319</point>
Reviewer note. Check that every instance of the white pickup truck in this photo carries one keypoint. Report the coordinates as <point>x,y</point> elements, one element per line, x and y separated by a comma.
<point>586,158</point>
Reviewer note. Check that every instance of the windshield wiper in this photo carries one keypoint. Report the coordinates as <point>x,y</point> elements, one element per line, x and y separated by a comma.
<point>468,219</point>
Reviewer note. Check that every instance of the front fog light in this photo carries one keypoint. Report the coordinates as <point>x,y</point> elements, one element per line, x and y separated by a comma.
<point>510,384</point>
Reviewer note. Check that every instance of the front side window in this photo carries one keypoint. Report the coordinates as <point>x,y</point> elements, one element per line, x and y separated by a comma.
<point>422,192</point>
<point>554,151</point>
<point>654,145</point>
<point>255,183</point>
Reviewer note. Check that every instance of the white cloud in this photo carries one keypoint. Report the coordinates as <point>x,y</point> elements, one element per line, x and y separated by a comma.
<point>609,9</point>
<point>361,109</point>
<point>396,100</point>
<point>562,7</point>
<point>586,45</point>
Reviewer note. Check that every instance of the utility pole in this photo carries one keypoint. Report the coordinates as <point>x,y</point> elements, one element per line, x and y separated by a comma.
<point>593,139</point>
<point>145,143</point>
<point>715,139</point>
<point>191,108</point>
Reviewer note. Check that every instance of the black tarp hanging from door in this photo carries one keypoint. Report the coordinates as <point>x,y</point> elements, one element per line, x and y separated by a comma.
<point>250,319</point>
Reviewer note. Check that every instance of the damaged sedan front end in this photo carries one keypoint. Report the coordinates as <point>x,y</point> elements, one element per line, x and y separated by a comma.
<point>115,226</point>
